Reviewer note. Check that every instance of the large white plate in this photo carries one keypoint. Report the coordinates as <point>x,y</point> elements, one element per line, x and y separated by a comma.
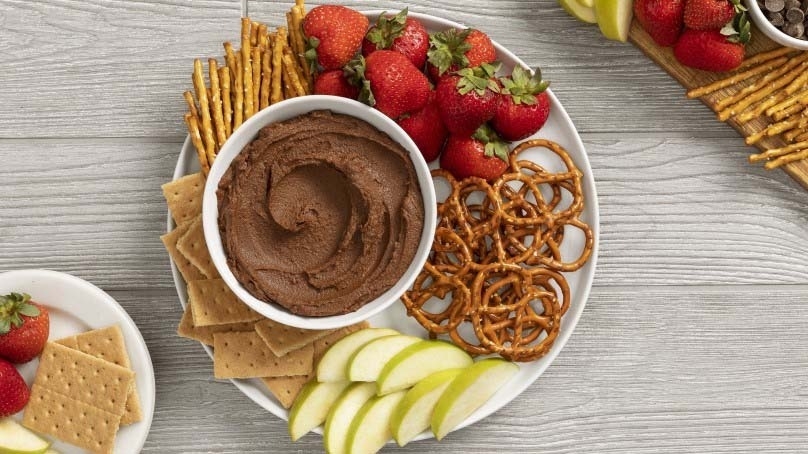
<point>559,128</point>
<point>75,306</point>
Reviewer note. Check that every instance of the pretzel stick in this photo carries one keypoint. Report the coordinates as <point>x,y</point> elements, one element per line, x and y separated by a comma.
<point>216,102</point>
<point>758,109</point>
<point>263,43</point>
<point>196,139</point>
<point>189,98</point>
<point>294,19</point>
<point>204,108</point>
<point>227,111</point>
<point>762,93</point>
<point>797,84</point>
<point>758,84</point>
<point>246,68</point>
<point>801,97</point>
<point>790,136</point>
<point>776,128</point>
<point>783,114</point>
<point>802,137</point>
<point>238,89</point>
<point>737,78</point>
<point>230,59</point>
<point>254,34</point>
<point>766,56</point>
<point>256,77</point>
<point>777,152</point>
<point>792,157</point>
<point>266,63</point>
<point>291,74</point>
<point>277,65</point>
<point>302,5</point>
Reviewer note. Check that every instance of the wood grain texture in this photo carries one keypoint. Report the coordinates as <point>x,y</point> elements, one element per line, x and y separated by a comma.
<point>667,369</point>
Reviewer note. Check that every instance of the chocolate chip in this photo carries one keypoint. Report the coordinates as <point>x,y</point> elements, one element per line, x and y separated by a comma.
<point>777,19</point>
<point>795,15</point>
<point>774,5</point>
<point>792,4</point>
<point>794,30</point>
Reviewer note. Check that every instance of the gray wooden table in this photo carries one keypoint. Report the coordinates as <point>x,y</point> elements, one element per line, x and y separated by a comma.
<point>694,338</point>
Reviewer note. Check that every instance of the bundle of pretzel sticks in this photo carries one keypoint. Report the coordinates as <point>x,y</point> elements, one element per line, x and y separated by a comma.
<point>773,84</point>
<point>269,67</point>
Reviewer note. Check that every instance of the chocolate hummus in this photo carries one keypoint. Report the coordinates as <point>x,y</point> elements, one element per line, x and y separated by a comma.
<point>320,214</point>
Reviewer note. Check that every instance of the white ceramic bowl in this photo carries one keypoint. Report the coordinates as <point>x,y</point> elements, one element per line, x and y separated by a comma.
<point>283,111</point>
<point>762,22</point>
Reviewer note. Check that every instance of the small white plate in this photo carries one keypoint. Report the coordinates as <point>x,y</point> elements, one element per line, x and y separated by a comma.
<point>75,306</point>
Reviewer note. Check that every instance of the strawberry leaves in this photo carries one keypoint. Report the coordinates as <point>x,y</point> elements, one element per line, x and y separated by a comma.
<point>387,29</point>
<point>739,29</point>
<point>355,75</point>
<point>478,79</point>
<point>449,48</point>
<point>494,145</point>
<point>523,87</point>
<point>12,307</point>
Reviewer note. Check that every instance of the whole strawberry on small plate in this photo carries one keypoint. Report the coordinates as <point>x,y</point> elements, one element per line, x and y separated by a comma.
<point>49,306</point>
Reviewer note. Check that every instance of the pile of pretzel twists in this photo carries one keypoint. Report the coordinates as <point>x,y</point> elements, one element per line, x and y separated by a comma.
<point>496,263</point>
<point>269,67</point>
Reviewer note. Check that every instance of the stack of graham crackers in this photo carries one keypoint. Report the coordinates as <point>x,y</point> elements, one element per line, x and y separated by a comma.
<point>84,390</point>
<point>245,344</point>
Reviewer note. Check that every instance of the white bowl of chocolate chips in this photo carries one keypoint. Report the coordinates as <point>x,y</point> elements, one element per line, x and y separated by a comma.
<point>784,21</point>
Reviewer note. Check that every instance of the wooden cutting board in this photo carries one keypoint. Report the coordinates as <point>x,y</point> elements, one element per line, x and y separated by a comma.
<point>692,78</point>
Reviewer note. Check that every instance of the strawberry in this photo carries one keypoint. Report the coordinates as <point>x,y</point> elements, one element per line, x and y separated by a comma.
<point>708,50</point>
<point>456,49</point>
<point>334,35</point>
<point>483,155</point>
<point>426,129</point>
<point>711,14</point>
<point>24,327</point>
<point>14,393</point>
<point>400,33</point>
<point>468,99</point>
<point>523,105</point>
<point>335,83</point>
<point>662,19</point>
<point>392,83</point>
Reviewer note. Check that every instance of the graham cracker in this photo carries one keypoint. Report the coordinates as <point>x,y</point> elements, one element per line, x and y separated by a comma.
<point>193,247</point>
<point>204,334</point>
<point>282,339</point>
<point>323,344</point>
<point>286,389</point>
<point>108,344</point>
<point>246,355</point>
<point>187,269</point>
<point>70,420</point>
<point>213,303</point>
<point>184,197</point>
<point>85,378</point>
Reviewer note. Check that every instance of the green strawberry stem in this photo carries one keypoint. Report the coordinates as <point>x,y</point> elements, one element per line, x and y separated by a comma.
<point>355,75</point>
<point>494,145</point>
<point>448,48</point>
<point>739,29</point>
<point>522,86</point>
<point>12,307</point>
<point>387,29</point>
<point>478,79</point>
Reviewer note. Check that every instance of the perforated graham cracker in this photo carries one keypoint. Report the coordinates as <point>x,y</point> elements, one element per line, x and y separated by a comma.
<point>246,355</point>
<point>282,339</point>
<point>184,197</point>
<point>67,419</point>
<point>187,269</point>
<point>213,303</point>
<point>192,246</point>
<point>108,344</point>
<point>204,334</point>
<point>85,378</point>
<point>285,389</point>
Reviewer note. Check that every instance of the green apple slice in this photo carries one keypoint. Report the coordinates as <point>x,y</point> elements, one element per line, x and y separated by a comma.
<point>369,360</point>
<point>414,414</point>
<point>614,18</point>
<point>419,361</point>
<point>370,429</point>
<point>312,405</point>
<point>587,3</point>
<point>16,439</point>
<point>342,413</point>
<point>468,392</point>
<point>333,365</point>
<point>579,11</point>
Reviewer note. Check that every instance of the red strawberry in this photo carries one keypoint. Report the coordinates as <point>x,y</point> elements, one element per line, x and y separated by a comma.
<point>711,14</point>
<point>392,84</point>
<point>335,83</point>
<point>708,50</point>
<point>523,105</point>
<point>468,99</point>
<point>484,155</point>
<point>334,34</point>
<point>662,19</point>
<point>24,328</point>
<point>399,33</point>
<point>14,393</point>
<point>426,129</point>
<point>457,49</point>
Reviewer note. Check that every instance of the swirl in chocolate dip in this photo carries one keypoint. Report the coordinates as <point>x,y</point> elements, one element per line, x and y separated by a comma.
<point>320,214</point>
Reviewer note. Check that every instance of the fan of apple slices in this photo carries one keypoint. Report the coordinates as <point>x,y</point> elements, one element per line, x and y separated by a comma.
<point>377,384</point>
